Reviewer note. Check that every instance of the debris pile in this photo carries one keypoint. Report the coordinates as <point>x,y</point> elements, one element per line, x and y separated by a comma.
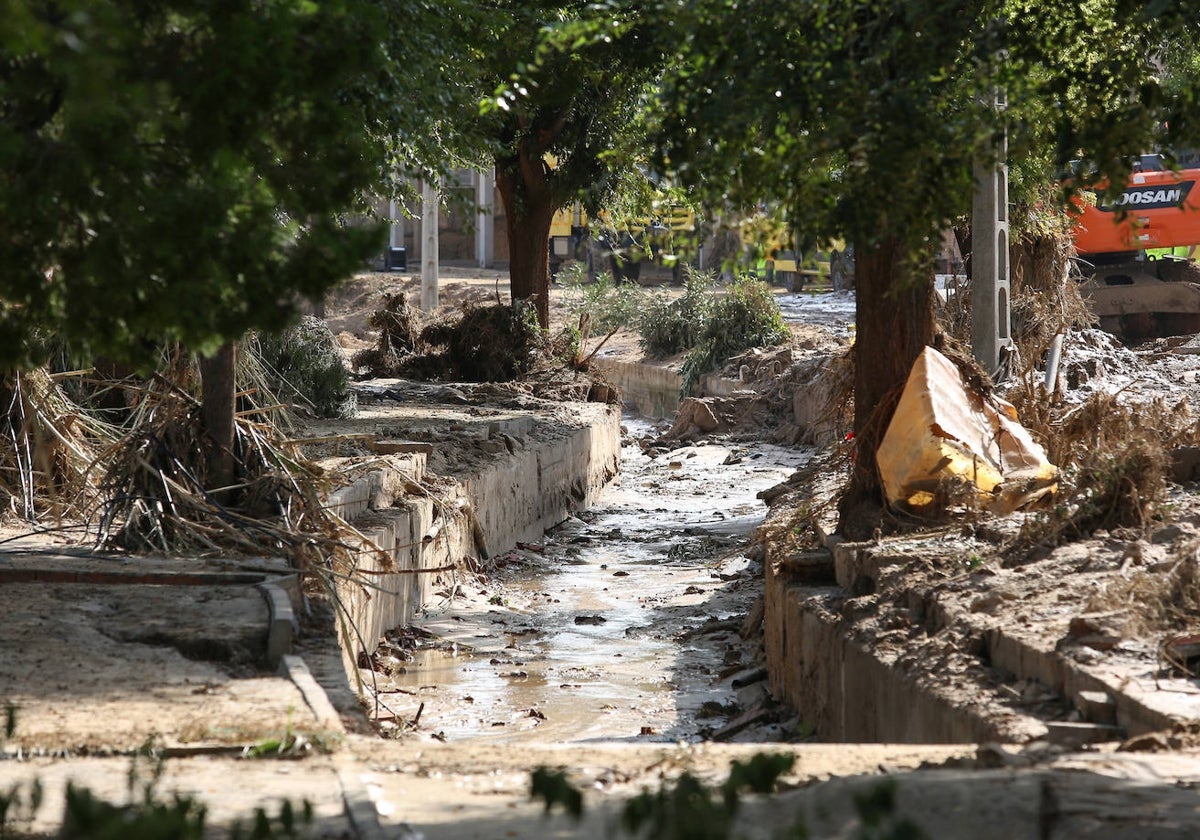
<point>771,394</point>
<point>396,322</point>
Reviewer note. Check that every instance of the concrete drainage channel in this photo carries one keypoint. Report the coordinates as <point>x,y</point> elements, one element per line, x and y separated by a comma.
<point>623,624</point>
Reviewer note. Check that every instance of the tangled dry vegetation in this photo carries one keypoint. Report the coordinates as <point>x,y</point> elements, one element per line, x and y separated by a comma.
<point>495,343</point>
<point>128,455</point>
<point>1118,457</point>
<point>492,343</point>
<point>1114,457</point>
<point>52,448</point>
<point>137,480</point>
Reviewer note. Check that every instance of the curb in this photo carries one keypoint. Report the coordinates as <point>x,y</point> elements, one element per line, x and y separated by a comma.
<point>294,668</point>
<point>361,809</point>
<point>282,626</point>
<point>357,803</point>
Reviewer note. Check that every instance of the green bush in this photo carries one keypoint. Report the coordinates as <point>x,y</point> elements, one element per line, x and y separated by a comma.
<point>672,326</point>
<point>747,316</point>
<point>609,305</point>
<point>306,364</point>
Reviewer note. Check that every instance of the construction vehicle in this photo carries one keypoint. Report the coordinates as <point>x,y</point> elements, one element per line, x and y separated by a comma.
<point>665,240</point>
<point>1135,253</point>
<point>568,236</point>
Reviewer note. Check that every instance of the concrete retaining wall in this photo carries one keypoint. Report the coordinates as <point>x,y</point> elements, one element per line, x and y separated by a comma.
<point>847,691</point>
<point>651,390</point>
<point>420,537</point>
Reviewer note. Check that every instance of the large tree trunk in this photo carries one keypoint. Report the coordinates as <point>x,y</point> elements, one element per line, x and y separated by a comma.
<point>218,396</point>
<point>529,206</point>
<point>894,322</point>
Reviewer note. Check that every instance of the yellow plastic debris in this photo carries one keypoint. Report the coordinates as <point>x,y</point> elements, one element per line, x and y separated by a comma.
<point>945,436</point>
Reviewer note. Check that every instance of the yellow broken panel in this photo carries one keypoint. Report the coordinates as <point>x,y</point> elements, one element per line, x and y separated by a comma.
<point>945,436</point>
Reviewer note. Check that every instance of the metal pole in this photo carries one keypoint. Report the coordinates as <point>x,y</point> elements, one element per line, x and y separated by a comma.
<point>429,246</point>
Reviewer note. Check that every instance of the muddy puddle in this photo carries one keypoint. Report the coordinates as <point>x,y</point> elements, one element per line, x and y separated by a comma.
<point>622,626</point>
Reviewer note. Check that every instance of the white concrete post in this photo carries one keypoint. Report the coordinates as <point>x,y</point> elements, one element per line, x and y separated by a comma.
<point>393,212</point>
<point>990,318</point>
<point>485,223</point>
<point>429,246</point>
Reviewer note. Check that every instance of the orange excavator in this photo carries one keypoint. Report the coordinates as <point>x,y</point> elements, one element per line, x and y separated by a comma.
<point>1135,253</point>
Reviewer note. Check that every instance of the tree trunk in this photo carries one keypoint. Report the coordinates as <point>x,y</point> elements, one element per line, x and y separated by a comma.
<point>894,322</point>
<point>218,395</point>
<point>529,206</point>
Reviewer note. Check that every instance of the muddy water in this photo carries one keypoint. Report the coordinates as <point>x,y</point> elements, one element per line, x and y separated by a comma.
<point>609,630</point>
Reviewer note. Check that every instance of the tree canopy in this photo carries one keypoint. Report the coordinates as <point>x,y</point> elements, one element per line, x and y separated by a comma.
<point>866,119</point>
<point>176,171</point>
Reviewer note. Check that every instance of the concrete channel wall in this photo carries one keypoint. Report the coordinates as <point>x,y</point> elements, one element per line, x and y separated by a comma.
<point>423,533</point>
<point>820,663</point>
<point>650,389</point>
<point>847,692</point>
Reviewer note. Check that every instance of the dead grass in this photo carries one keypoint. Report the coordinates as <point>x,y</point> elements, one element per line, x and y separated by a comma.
<point>51,447</point>
<point>1156,602</point>
<point>1045,301</point>
<point>1114,460</point>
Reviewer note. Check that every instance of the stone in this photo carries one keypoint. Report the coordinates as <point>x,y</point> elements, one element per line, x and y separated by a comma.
<point>395,447</point>
<point>1097,707</point>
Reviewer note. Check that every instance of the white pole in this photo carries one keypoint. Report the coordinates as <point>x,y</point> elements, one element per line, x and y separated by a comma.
<point>485,202</point>
<point>429,247</point>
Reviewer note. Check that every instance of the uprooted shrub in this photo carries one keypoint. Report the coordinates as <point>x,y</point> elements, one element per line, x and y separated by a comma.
<point>399,338</point>
<point>492,343</point>
<point>607,305</point>
<point>305,364</point>
<point>746,316</point>
<point>495,343</point>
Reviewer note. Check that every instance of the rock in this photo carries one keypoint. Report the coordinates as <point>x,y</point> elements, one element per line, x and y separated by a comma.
<point>741,722</point>
<point>749,677</point>
<point>1076,735</point>
<point>753,695</point>
<point>754,619</point>
<point>1149,742</point>
<point>1185,464</point>
<point>590,619</point>
<point>703,417</point>
<point>814,568</point>
<point>992,756</point>
<point>396,447</point>
<point>494,447</point>
<point>988,603</point>
<point>1171,533</point>
<point>1097,707</point>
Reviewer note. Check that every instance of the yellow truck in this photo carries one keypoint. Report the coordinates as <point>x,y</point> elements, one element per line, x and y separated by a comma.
<point>794,271</point>
<point>667,240</point>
